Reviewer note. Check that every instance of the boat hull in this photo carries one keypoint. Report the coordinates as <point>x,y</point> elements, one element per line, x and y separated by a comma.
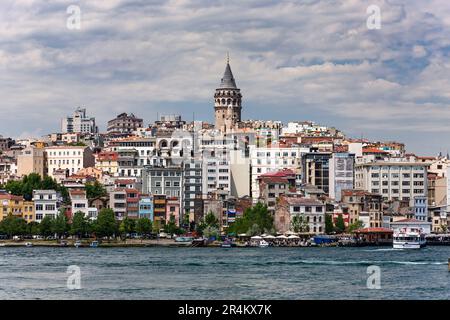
<point>408,245</point>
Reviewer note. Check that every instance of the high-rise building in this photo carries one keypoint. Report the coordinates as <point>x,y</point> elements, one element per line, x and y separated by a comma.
<point>79,123</point>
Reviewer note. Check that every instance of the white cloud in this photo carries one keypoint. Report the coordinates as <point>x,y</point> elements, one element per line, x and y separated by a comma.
<point>311,59</point>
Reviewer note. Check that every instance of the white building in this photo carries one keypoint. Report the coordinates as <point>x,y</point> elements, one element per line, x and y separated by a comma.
<point>69,158</point>
<point>342,169</point>
<point>46,203</point>
<point>271,159</point>
<point>395,180</point>
<point>79,123</point>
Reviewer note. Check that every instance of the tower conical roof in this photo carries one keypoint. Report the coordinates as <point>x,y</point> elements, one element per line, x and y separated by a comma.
<point>227,81</point>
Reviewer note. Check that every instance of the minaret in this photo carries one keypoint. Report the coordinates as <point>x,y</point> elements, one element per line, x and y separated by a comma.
<point>227,101</point>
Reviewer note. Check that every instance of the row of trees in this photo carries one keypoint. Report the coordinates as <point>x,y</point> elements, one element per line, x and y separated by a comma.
<point>31,182</point>
<point>104,226</point>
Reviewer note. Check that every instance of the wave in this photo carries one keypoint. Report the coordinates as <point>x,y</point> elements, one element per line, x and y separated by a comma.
<point>360,262</point>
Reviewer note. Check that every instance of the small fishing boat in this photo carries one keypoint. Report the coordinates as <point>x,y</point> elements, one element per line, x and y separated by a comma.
<point>28,244</point>
<point>77,244</point>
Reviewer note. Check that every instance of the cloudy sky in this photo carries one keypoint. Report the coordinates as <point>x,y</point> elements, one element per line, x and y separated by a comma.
<point>293,60</point>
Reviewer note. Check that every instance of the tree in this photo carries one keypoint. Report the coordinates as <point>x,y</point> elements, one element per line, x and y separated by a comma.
<point>211,220</point>
<point>144,226</point>
<point>340,224</point>
<point>257,218</point>
<point>45,227</point>
<point>356,225</point>
<point>444,228</point>
<point>95,190</point>
<point>13,226</point>
<point>80,225</point>
<point>328,224</point>
<point>60,225</point>
<point>210,232</point>
<point>299,224</point>
<point>106,225</point>
<point>127,226</point>
<point>171,227</point>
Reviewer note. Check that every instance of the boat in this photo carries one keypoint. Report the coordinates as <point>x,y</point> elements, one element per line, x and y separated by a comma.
<point>184,239</point>
<point>94,244</point>
<point>77,243</point>
<point>263,244</point>
<point>28,244</point>
<point>409,238</point>
<point>226,244</point>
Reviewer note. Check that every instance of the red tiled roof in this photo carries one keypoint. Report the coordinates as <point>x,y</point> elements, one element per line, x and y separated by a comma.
<point>374,230</point>
<point>373,150</point>
<point>409,220</point>
<point>281,173</point>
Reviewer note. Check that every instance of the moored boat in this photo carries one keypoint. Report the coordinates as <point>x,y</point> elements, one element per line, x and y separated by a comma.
<point>94,244</point>
<point>77,243</point>
<point>263,244</point>
<point>409,238</point>
<point>28,244</point>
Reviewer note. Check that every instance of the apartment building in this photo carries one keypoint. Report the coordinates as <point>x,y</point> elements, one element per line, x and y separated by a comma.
<point>124,123</point>
<point>311,211</point>
<point>273,185</point>
<point>272,159</point>
<point>316,170</point>
<point>68,158</point>
<point>125,203</point>
<point>46,203</point>
<point>31,160</point>
<point>11,205</point>
<point>107,162</point>
<point>341,173</point>
<point>393,180</point>
<point>363,206</point>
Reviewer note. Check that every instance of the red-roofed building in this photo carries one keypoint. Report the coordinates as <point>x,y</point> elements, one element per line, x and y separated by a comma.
<point>273,185</point>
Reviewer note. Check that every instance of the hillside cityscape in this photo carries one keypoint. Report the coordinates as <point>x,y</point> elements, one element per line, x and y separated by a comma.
<point>232,177</point>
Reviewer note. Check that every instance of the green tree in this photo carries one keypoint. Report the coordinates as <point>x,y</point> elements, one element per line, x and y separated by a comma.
<point>256,218</point>
<point>127,226</point>
<point>299,224</point>
<point>328,224</point>
<point>13,226</point>
<point>340,224</point>
<point>60,225</point>
<point>45,227</point>
<point>171,227</point>
<point>95,190</point>
<point>356,225</point>
<point>144,226</point>
<point>211,231</point>
<point>211,220</point>
<point>80,225</point>
<point>106,225</point>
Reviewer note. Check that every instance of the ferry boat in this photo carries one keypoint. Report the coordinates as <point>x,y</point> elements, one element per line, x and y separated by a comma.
<point>409,238</point>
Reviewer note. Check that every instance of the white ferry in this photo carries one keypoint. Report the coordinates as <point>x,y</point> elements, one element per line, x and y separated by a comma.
<point>409,238</point>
